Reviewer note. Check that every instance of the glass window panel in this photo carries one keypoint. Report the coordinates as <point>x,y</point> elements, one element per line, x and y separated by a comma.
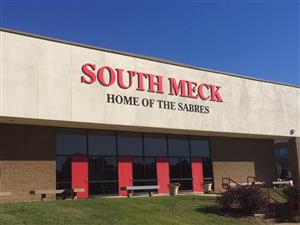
<point>110,163</point>
<point>110,168</point>
<point>102,143</point>
<point>207,168</point>
<point>95,169</point>
<point>110,188</point>
<point>178,145</point>
<point>71,141</point>
<point>186,185</point>
<point>174,168</point>
<point>281,153</point>
<point>110,175</point>
<point>151,182</point>
<point>130,144</point>
<point>138,169</point>
<point>155,145</point>
<point>95,188</point>
<point>186,170</point>
<point>199,147</point>
<point>63,169</point>
<point>150,168</point>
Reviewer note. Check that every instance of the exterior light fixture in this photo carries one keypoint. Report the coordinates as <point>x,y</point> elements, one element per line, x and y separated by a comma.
<point>292,131</point>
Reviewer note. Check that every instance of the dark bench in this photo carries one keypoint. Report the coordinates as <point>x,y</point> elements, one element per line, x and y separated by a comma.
<point>149,189</point>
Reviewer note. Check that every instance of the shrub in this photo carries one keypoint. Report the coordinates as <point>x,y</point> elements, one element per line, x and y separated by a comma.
<point>243,199</point>
<point>292,192</point>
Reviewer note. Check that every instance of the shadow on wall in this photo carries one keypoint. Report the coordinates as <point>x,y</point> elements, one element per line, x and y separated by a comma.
<point>238,158</point>
<point>24,142</point>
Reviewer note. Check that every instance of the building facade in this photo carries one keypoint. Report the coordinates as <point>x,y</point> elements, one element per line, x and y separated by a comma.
<point>80,116</point>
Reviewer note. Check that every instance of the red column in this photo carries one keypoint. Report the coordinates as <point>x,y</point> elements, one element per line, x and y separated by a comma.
<point>80,175</point>
<point>197,173</point>
<point>163,177</point>
<point>125,174</point>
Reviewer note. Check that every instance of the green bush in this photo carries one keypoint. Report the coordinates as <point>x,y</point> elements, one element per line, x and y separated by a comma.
<point>243,199</point>
<point>292,192</point>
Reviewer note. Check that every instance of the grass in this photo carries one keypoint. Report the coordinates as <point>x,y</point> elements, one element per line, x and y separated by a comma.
<point>179,210</point>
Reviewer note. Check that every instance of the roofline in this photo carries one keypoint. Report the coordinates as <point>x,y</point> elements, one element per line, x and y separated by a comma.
<point>155,59</point>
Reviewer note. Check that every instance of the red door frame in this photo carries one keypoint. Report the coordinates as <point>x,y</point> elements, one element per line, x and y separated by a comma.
<point>80,175</point>
<point>125,174</point>
<point>197,173</point>
<point>163,174</point>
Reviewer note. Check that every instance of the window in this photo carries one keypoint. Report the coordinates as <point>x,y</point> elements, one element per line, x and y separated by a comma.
<point>110,168</point>
<point>102,148</point>
<point>199,147</point>
<point>281,153</point>
<point>95,169</point>
<point>175,168</point>
<point>63,169</point>
<point>103,175</point>
<point>144,171</point>
<point>138,169</point>
<point>71,141</point>
<point>181,172</point>
<point>207,168</point>
<point>185,167</point>
<point>130,144</point>
<point>102,143</point>
<point>178,145</point>
<point>155,145</point>
<point>63,173</point>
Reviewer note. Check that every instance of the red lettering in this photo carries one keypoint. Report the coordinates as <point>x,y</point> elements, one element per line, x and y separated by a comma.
<point>141,77</point>
<point>191,89</point>
<point>215,96</point>
<point>176,89</point>
<point>86,70</point>
<point>121,81</point>
<point>112,76</point>
<point>107,76</point>
<point>158,83</point>
<point>200,91</point>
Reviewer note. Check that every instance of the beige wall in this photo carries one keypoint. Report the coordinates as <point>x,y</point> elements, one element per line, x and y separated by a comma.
<point>27,161</point>
<point>238,158</point>
<point>40,79</point>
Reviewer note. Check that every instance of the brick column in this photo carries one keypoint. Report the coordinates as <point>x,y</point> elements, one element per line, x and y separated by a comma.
<point>294,158</point>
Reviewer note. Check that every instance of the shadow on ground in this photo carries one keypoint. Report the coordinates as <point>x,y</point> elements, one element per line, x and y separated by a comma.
<point>217,210</point>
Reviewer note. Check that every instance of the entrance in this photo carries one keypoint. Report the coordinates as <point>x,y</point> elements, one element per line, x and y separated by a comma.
<point>125,174</point>
<point>103,175</point>
<point>181,172</point>
<point>197,172</point>
<point>80,175</point>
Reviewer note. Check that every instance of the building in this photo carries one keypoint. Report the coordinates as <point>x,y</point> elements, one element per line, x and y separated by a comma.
<point>79,116</point>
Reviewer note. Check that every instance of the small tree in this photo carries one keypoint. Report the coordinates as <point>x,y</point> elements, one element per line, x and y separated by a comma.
<point>243,199</point>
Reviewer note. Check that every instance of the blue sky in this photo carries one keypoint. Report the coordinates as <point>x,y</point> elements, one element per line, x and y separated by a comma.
<point>252,38</point>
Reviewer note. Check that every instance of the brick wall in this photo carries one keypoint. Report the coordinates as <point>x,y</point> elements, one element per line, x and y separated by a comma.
<point>238,158</point>
<point>27,161</point>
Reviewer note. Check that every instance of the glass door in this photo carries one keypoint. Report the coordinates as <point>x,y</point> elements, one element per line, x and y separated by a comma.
<point>103,176</point>
<point>144,171</point>
<point>181,172</point>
